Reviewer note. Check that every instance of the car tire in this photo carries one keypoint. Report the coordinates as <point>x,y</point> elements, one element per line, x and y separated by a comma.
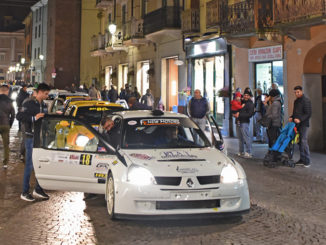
<point>110,196</point>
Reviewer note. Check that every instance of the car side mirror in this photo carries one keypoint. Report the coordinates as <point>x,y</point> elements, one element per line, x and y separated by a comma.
<point>219,145</point>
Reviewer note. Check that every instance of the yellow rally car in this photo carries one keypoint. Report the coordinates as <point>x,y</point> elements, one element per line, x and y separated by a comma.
<point>90,111</point>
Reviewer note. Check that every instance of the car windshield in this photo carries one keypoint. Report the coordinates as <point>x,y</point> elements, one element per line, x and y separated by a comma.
<point>162,133</point>
<point>94,114</point>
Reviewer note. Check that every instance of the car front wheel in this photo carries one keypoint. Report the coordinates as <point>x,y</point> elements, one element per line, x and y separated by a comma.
<point>110,196</point>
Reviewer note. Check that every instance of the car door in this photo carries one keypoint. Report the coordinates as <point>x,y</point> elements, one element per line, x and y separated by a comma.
<point>71,160</point>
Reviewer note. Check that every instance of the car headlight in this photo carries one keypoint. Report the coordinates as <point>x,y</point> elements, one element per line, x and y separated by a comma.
<point>82,140</point>
<point>140,176</point>
<point>229,174</point>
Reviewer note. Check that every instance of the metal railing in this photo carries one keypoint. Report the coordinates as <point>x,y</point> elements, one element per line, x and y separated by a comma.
<point>98,42</point>
<point>293,11</point>
<point>166,17</point>
<point>133,29</point>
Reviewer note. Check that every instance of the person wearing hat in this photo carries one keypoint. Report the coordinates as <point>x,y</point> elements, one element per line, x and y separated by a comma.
<point>274,115</point>
<point>243,132</point>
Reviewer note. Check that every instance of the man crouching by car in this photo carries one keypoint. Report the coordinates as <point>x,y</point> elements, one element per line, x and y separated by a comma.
<point>33,110</point>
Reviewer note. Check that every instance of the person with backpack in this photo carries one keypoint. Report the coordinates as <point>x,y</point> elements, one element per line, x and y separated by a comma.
<point>243,132</point>
<point>273,116</point>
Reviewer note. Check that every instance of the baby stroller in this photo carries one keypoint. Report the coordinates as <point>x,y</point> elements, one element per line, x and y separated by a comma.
<point>281,152</point>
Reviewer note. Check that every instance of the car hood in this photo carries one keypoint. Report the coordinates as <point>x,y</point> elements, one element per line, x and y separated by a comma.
<point>178,162</point>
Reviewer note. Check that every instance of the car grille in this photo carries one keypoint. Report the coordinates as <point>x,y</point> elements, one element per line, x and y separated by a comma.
<point>168,180</point>
<point>200,204</point>
<point>206,180</point>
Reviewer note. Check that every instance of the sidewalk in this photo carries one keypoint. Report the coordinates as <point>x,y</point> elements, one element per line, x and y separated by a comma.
<point>318,160</point>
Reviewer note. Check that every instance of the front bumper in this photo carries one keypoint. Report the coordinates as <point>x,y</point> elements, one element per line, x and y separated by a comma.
<point>155,200</point>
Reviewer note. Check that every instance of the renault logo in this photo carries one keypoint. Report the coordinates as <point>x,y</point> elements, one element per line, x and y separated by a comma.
<point>190,183</point>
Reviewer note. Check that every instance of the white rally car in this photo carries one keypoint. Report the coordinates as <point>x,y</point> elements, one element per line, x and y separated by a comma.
<point>151,165</point>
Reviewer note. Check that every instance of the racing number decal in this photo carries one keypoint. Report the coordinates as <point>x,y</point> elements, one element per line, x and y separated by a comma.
<point>85,159</point>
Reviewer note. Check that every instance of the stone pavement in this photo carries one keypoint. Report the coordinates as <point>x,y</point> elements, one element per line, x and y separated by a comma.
<point>287,207</point>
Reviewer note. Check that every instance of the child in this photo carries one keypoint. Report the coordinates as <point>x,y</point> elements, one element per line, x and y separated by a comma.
<point>236,105</point>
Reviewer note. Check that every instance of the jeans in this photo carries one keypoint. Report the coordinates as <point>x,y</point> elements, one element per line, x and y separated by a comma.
<point>303,145</point>
<point>201,122</point>
<point>29,166</point>
<point>245,139</point>
<point>258,127</point>
<point>4,131</point>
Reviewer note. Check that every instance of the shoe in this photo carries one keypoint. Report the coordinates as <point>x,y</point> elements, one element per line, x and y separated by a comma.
<point>5,166</point>
<point>299,163</point>
<point>247,155</point>
<point>40,194</point>
<point>22,157</point>
<point>306,165</point>
<point>240,154</point>
<point>27,197</point>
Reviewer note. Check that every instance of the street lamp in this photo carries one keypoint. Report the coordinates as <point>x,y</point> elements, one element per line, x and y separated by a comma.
<point>22,61</point>
<point>112,28</point>
<point>41,56</point>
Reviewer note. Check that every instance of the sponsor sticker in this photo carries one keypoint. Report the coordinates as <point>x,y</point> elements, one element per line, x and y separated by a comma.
<point>85,159</point>
<point>61,158</point>
<point>176,155</point>
<point>187,170</point>
<point>132,123</point>
<point>102,167</point>
<point>115,162</point>
<point>98,109</point>
<point>141,156</point>
<point>160,121</point>
<point>99,175</point>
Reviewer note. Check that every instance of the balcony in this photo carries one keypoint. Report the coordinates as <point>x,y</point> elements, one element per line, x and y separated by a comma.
<point>164,21</point>
<point>133,33</point>
<point>239,18</point>
<point>190,21</point>
<point>299,13</point>
<point>104,3</point>
<point>98,45</point>
<point>212,14</point>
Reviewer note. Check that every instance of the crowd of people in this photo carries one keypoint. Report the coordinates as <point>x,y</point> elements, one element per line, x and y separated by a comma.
<point>266,109</point>
<point>268,113</point>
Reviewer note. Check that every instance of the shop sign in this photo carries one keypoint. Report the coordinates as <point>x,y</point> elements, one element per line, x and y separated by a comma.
<point>265,53</point>
<point>206,48</point>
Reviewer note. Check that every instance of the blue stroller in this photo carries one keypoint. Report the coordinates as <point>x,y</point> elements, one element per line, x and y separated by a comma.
<point>282,150</point>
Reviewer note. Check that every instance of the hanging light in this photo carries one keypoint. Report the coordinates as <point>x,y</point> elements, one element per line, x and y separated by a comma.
<point>112,28</point>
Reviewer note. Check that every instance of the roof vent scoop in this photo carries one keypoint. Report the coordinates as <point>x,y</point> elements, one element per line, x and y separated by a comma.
<point>157,113</point>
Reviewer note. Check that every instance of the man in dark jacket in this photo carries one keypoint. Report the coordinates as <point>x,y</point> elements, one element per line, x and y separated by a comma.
<point>243,132</point>
<point>7,116</point>
<point>134,104</point>
<point>20,98</point>
<point>259,113</point>
<point>301,115</point>
<point>33,111</point>
<point>113,94</point>
<point>197,108</point>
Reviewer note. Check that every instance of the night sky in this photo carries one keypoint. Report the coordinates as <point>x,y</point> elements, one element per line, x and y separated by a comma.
<point>19,9</point>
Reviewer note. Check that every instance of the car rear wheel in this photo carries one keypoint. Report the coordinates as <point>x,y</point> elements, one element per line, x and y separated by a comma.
<point>110,196</point>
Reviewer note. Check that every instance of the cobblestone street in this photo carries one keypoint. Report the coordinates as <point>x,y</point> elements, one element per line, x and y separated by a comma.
<point>288,206</point>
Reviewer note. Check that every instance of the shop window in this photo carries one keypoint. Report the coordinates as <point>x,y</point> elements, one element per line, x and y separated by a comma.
<point>268,73</point>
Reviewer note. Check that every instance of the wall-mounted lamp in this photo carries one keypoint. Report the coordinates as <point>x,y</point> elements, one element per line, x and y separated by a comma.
<point>112,28</point>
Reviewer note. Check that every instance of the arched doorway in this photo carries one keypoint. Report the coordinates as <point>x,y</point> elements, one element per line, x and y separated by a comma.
<point>314,83</point>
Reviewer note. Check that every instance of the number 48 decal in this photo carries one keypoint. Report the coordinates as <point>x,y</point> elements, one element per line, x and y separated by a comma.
<point>85,159</point>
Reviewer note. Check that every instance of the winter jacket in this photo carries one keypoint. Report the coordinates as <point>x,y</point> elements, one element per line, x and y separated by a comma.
<point>21,97</point>
<point>113,95</point>
<point>148,100</point>
<point>7,111</point>
<point>274,112</point>
<point>198,108</point>
<point>259,106</point>
<point>31,107</point>
<point>93,93</point>
<point>247,111</point>
<point>302,110</point>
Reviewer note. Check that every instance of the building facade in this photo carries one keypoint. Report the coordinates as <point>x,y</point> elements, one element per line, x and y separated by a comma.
<point>63,43</point>
<point>39,41</point>
<point>11,52</point>
<point>279,42</point>
<point>27,57</point>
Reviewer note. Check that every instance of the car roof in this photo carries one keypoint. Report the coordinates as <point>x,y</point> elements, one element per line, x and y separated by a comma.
<point>147,114</point>
<point>85,103</point>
